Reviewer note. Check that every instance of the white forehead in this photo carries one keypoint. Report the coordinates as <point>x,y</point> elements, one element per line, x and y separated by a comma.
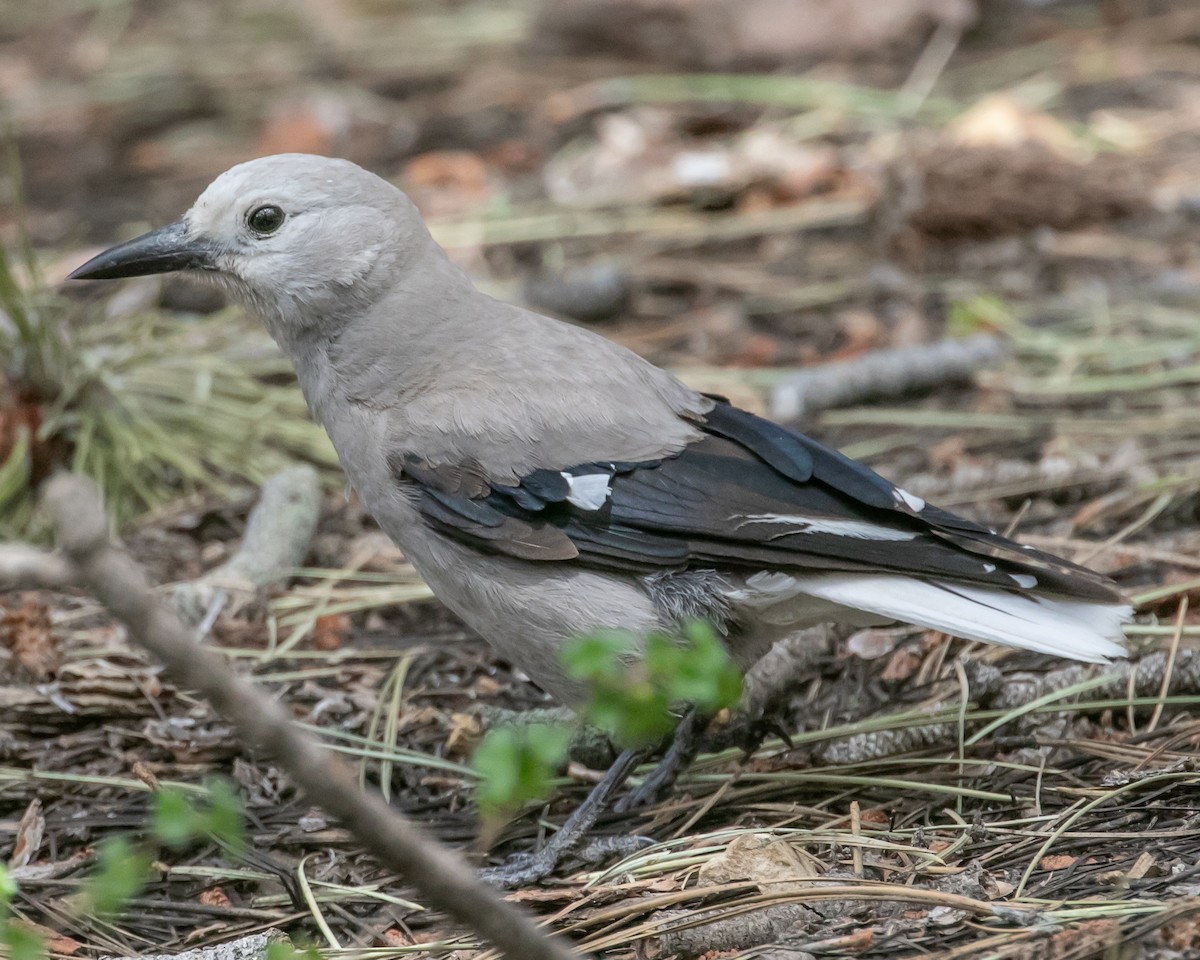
<point>294,181</point>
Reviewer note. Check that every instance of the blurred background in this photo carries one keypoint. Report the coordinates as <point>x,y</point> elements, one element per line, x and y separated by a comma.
<point>959,239</point>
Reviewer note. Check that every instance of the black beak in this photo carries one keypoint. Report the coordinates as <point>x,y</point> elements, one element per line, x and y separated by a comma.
<point>159,251</point>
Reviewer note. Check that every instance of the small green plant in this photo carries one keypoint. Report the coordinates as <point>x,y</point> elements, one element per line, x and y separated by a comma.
<point>285,950</point>
<point>633,685</point>
<point>631,696</point>
<point>123,867</point>
<point>515,767</point>
<point>17,941</point>
<point>177,822</point>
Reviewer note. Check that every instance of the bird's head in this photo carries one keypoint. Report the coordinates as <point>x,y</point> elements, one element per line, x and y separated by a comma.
<point>299,239</point>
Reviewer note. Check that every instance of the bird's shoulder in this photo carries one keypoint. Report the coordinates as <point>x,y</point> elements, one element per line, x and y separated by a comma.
<point>531,393</point>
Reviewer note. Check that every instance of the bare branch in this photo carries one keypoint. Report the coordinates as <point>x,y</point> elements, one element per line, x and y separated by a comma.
<point>26,568</point>
<point>277,537</point>
<point>884,373</point>
<point>443,877</point>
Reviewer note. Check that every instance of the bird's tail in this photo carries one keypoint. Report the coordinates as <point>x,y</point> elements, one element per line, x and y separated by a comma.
<point>1078,629</point>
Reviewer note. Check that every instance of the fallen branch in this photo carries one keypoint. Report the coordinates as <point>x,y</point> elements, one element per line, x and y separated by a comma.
<point>27,568</point>
<point>91,561</point>
<point>884,373</point>
<point>278,533</point>
<point>1086,473</point>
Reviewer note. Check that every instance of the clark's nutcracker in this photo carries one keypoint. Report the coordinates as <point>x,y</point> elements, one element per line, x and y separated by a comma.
<point>547,482</point>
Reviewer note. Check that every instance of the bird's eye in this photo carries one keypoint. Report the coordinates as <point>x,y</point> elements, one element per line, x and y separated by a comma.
<point>265,219</point>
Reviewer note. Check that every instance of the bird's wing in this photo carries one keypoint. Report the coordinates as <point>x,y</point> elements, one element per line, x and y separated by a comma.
<point>749,494</point>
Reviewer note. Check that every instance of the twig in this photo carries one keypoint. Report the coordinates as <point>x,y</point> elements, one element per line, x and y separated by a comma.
<point>278,533</point>
<point>971,481</point>
<point>797,92</point>
<point>929,65</point>
<point>768,917</point>
<point>264,725</point>
<point>27,568</point>
<point>661,225</point>
<point>1172,653</point>
<point>884,373</point>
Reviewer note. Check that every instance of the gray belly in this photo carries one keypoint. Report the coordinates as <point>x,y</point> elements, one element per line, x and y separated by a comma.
<point>525,610</point>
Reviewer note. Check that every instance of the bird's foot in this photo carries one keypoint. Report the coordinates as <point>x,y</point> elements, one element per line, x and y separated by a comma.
<point>522,869</point>
<point>600,849</point>
<point>682,751</point>
<point>750,735</point>
<point>526,868</point>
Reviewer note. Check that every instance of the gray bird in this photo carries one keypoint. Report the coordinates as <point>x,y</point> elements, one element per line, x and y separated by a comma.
<point>546,482</point>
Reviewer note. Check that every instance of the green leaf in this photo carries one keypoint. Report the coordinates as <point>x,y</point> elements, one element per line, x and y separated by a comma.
<point>663,657</point>
<point>599,654</point>
<point>631,699</point>
<point>284,950</point>
<point>8,888</point>
<point>173,819</point>
<point>122,870</point>
<point>280,950</point>
<point>983,312</point>
<point>645,719</point>
<point>20,942</point>
<point>704,674</point>
<point>177,822</point>
<point>517,765</point>
<point>225,820</point>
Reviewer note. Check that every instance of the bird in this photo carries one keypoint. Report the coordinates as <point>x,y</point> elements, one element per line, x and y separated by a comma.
<point>547,482</point>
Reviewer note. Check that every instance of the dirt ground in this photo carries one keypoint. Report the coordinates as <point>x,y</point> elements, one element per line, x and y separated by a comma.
<point>743,206</point>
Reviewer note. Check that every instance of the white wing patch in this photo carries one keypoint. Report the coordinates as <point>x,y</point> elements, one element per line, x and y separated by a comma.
<point>910,500</point>
<point>857,529</point>
<point>1024,580</point>
<point>588,492</point>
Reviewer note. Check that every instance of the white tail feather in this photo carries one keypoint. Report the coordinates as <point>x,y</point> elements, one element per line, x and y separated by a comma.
<point>1078,629</point>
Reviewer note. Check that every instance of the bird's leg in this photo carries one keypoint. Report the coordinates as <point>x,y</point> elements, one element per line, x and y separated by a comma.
<point>532,867</point>
<point>683,749</point>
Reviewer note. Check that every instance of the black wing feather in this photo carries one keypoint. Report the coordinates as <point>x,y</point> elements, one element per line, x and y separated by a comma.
<point>749,494</point>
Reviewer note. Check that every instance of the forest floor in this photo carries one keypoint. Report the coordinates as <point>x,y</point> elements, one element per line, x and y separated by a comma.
<point>1036,181</point>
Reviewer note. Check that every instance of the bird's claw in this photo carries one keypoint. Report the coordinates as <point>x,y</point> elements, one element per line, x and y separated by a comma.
<point>604,848</point>
<point>753,734</point>
<point>521,869</point>
<point>525,868</point>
